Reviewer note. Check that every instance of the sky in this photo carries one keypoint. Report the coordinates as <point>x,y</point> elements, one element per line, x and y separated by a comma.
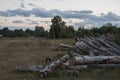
<point>29,13</point>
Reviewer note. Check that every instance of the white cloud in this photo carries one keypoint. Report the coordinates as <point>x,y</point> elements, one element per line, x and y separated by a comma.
<point>78,18</point>
<point>31,4</point>
<point>18,21</point>
<point>22,5</point>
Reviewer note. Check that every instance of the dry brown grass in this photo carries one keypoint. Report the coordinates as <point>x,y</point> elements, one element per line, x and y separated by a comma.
<point>28,51</point>
<point>24,51</point>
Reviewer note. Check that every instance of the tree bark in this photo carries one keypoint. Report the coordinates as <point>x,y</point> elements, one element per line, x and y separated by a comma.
<point>78,60</point>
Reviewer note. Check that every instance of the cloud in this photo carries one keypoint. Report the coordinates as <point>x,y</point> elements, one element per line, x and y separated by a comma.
<point>20,12</point>
<point>86,15</point>
<point>112,16</point>
<point>34,22</point>
<point>100,20</point>
<point>6,20</point>
<point>72,14</point>
<point>46,22</point>
<point>83,11</point>
<point>30,4</point>
<point>17,21</point>
<point>2,13</point>
<point>37,22</point>
<point>41,12</point>
<point>95,23</point>
<point>22,5</point>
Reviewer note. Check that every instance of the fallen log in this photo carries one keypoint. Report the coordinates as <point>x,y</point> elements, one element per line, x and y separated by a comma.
<point>103,43</point>
<point>95,42</point>
<point>61,49</point>
<point>78,67</point>
<point>81,50</point>
<point>108,50</point>
<point>78,60</point>
<point>107,65</point>
<point>101,49</point>
<point>108,46</point>
<point>66,46</point>
<point>48,69</point>
<point>112,43</point>
<point>85,48</point>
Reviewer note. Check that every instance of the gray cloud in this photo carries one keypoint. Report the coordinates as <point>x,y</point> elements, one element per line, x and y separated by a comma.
<point>22,5</point>
<point>20,12</point>
<point>34,22</point>
<point>83,11</point>
<point>41,12</point>
<point>86,15</point>
<point>17,21</point>
<point>2,13</point>
<point>96,23</point>
<point>30,4</point>
<point>6,20</point>
<point>37,22</point>
<point>72,14</point>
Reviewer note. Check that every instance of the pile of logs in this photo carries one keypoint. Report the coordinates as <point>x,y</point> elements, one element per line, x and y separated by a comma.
<point>88,50</point>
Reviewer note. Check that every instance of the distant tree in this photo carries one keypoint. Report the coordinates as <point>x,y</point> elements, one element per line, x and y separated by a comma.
<point>63,33</point>
<point>56,27</point>
<point>47,34</point>
<point>19,33</point>
<point>82,32</point>
<point>29,32</point>
<point>108,28</point>
<point>39,31</point>
<point>95,32</point>
<point>70,31</point>
<point>6,32</point>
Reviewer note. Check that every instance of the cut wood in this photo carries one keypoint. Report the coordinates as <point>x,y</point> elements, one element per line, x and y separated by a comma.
<point>77,60</point>
<point>48,69</point>
<point>107,65</point>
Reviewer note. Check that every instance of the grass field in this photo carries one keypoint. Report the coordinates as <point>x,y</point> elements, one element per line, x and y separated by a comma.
<point>33,51</point>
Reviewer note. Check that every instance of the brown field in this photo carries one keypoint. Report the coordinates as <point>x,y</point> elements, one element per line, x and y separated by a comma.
<point>32,51</point>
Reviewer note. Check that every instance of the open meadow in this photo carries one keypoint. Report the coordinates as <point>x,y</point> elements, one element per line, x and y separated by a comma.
<point>33,51</point>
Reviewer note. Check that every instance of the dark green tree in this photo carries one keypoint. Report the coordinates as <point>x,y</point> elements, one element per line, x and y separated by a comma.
<point>6,32</point>
<point>39,31</point>
<point>70,31</point>
<point>29,32</point>
<point>56,27</point>
<point>19,33</point>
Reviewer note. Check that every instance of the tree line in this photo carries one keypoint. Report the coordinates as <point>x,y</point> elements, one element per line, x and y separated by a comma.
<point>38,32</point>
<point>59,29</point>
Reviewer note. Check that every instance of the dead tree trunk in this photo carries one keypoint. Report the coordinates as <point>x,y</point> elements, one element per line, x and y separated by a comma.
<point>108,46</point>
<point>48,69</point>
<point>112,43</point>
<point>77,60</point>
<point>102,49</point>
<point>107,65</point>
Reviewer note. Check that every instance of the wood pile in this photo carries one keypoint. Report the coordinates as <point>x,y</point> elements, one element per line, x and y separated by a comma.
<point>100,51</point>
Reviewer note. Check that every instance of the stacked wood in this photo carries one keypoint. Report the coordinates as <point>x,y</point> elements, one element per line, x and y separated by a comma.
<point>88,50</point>
<point>107,65</point>
<point>78,60</point>
<point>99,46</point>
<point>48,69</point>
